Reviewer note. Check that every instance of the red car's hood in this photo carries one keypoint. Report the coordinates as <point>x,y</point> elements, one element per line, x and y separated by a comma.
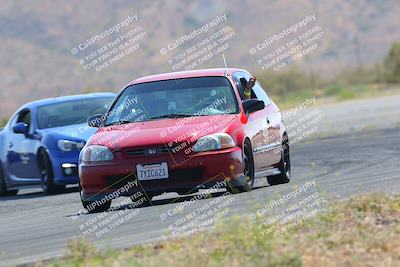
<point>165,131</point>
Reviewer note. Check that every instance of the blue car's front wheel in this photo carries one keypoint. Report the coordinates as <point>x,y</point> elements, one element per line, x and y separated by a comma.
<point>47,175</point>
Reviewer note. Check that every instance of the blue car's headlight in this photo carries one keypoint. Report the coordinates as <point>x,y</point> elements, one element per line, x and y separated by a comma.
<point>68,146</point>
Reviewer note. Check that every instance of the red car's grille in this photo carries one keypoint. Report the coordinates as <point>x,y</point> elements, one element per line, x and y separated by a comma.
<point>147,151</point>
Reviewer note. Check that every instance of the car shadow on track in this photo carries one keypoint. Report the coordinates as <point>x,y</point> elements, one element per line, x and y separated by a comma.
<point>179,199</point>
<point>165,201</point>
<point>172,200</point>
<point>38,194</point>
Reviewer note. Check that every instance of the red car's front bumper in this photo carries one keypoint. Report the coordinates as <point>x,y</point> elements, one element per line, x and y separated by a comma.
<point>202,170</point>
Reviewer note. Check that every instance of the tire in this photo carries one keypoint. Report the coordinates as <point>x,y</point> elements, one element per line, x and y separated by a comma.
<point>47,175</point>
<point>89,205</point>
<point>283,166</point>
<point>248,172</point>
<point>3,187</point>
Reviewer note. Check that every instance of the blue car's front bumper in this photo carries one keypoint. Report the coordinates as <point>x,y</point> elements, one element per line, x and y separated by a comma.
<point>65,167</point>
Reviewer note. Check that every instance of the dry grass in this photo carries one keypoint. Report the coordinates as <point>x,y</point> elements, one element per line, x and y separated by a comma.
<point>363,231</point>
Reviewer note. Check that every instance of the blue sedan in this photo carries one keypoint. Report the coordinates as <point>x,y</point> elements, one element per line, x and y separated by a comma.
<point>40,144</point>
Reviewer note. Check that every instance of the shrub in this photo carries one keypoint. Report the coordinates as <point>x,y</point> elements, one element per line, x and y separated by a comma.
<point>392,64</point>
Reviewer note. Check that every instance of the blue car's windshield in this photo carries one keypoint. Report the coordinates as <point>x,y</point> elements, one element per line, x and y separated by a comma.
<point>71,112</point>
<point>202,96</point>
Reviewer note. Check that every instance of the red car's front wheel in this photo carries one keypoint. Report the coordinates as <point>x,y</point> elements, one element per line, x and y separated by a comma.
<point>248,172</point>
<point>94,206</point>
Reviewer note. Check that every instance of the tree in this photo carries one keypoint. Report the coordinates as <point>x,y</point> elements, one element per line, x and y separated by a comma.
<point>392,64</point>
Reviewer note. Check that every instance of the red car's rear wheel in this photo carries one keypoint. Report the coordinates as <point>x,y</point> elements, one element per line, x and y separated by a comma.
<point>283,166</point>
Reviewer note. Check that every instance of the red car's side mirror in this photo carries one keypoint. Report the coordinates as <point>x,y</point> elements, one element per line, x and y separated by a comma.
<point>252,105</point>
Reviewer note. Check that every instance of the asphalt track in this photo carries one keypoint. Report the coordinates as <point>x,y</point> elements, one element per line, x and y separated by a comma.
<point>355,150</point>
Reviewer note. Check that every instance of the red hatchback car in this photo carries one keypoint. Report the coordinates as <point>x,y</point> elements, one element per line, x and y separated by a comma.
<point>181,132</point>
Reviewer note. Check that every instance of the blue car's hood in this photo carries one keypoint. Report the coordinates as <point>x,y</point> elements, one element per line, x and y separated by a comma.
<point>78,131</point>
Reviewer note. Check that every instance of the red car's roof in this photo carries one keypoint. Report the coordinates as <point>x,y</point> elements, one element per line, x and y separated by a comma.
<point>185,74</point>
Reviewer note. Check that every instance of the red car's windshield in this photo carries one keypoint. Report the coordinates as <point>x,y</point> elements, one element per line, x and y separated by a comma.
<point>202,96</point>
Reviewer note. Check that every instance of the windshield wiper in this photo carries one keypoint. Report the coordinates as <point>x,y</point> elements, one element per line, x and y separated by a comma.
<point>171,116</point>
<point>117,123</point>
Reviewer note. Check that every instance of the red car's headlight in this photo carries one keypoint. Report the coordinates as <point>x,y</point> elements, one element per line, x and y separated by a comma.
<point>95,153</point>
<point>214,142</point>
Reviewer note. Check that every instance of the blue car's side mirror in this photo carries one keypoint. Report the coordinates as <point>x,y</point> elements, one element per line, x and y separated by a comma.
<point>21,128</point>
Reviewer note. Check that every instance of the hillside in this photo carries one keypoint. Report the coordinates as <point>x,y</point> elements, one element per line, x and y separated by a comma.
<point>37,38</point>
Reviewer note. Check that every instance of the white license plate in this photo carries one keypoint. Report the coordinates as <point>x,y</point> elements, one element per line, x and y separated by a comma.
<point>152,172</point>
